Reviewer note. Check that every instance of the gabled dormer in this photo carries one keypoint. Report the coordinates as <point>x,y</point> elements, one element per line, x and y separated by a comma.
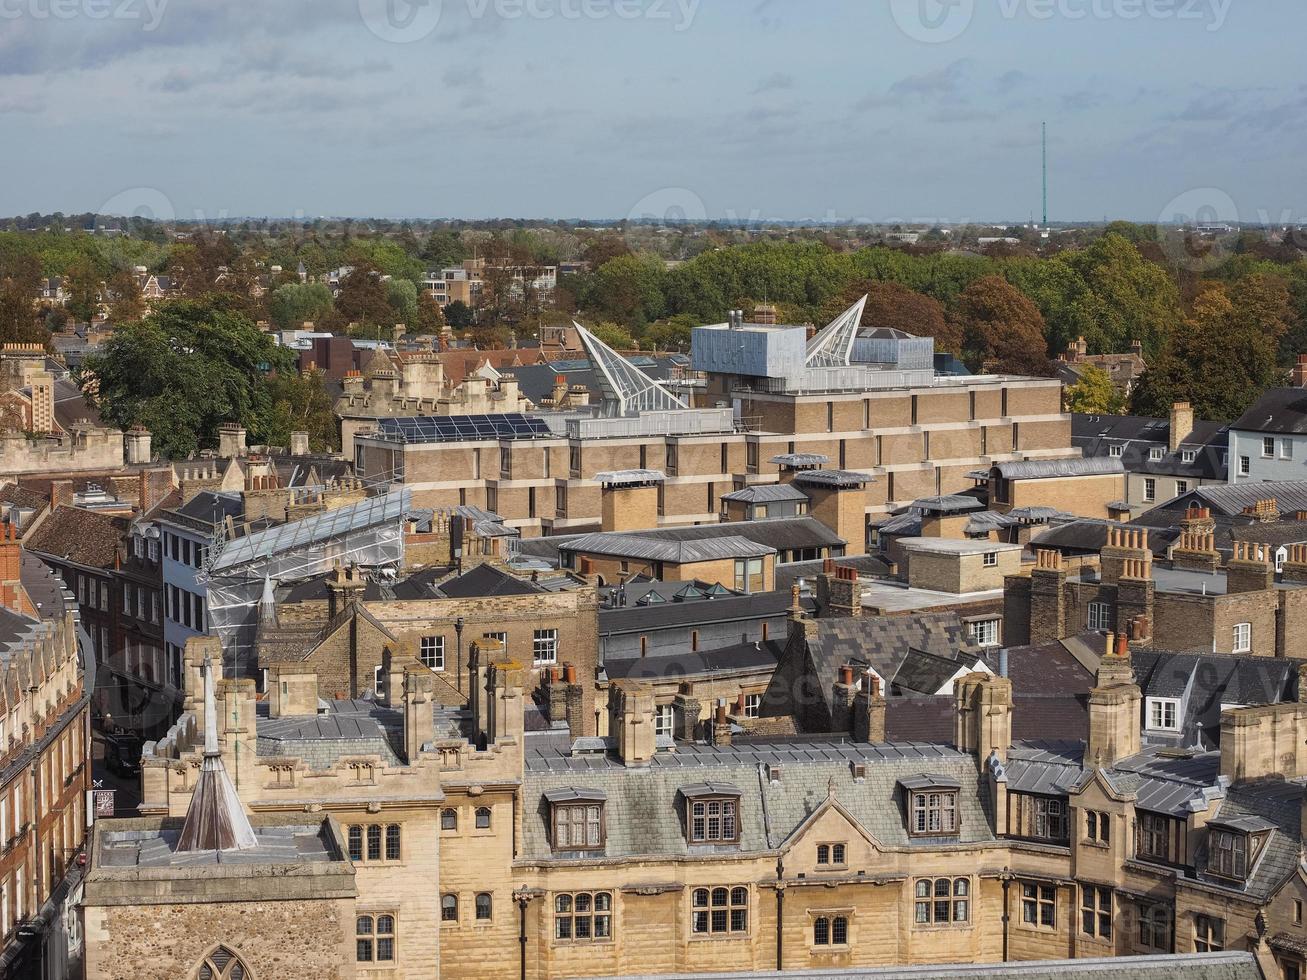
<point>1232,849</point>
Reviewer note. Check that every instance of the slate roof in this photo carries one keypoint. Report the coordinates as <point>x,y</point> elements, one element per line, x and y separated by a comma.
<point>767,493</point>
<point>740,656</point>
<point>211,508</point>
<point>1136,437</point>
<point>1280,410</point>
<point>1089,535</point>
<point>87,537</point>
<point>832,478</point>
<point>781,534</point>
<point>677,552</point>
<point>925,673</point>
<point>1050,469</point>
<point>485,580</point>
<point>633,618</point>
<point>866,565</point>
<point>645,808</point>
<point>1233,498</point>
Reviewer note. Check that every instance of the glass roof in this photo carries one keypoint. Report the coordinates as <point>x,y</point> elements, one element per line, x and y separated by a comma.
<point>462,428</point>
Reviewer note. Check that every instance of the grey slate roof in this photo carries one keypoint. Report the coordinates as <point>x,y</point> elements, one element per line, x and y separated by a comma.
<point>1090,535</point>
<point>485,580</point>
<point>1048,469</point>
<point>1280,410</point>
<point>832,478</point>
<point>765,494</point>
<point>741,656</point>
<point>645,807</point>
<point>1232,498</point>
<point>646,548</point>
<point>349,728</point>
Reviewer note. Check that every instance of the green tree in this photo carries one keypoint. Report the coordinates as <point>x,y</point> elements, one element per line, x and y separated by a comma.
<point>297,303</point>
<point>125,300</point>
<point>459,315</point>
<point>1094,393</point>
<point>20,277</point>
<point>627,289</point>
<point>83,285</point>
<point>670,334</point>
<point>614,336</point>
<point>403,298</point>
<point>301,402</point>
<point>428,318</point>
<point>183,371</point>
<point>1001,329</point>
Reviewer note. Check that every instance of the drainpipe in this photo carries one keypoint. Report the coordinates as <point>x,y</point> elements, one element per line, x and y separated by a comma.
<point>523,898</point>
<point>1007,881</point>
<point>780,917</point>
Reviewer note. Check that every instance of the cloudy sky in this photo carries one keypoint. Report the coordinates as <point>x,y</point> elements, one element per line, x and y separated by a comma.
<point>786,109</point>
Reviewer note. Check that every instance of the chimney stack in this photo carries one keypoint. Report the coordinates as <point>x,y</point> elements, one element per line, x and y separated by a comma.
<point>1300,372</point>
<point>299,443</point>
<point>635,723</point>
<point>1182,424</point>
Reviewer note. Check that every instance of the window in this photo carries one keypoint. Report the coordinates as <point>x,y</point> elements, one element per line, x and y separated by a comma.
<point>449,819</point>
<point>578,827</point>
<point>484,906</point>
<point>664,719</point>
<point>1297,911</point>
<point>713,821</point>
<point>990,559</point>
<point>1243,637</point>
<point>544,646</point>
<point>1188,455</point>
<point>934,813</point>
<point>831,854</point>
<point>753,703</point>
<point>1156,453</point>
<point>1096,911</point>
<point>1154,836</point>
<point>1039,905</point>
<point>1268,447</point>
<point>1040,817</point>
<point>222,964</point>
<point>1286,449</point>
<point>1155,927</point>
<point>942,901</point>
<point>1163,714</point>
<point>748,575</point>
<point>1115,451</point>
<point>1150,489</point>
<point>375,939</point>
<point>1100,616</point>
<point>1209,934</point>
<point>1227,854</point>
<point>719,910</point>
<point>830,930</point>
<point>1181,487</point>
<point>448,908</point>
<point>583,916</point>
<point>1098,826</point>
<point>483,818</point>
<point>368,844</point>
<point>1245,466</point>
<point>984,632</point>
<point>431,651</point>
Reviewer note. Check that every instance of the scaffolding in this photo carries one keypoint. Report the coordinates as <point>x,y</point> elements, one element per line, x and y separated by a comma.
<point>368,534</point>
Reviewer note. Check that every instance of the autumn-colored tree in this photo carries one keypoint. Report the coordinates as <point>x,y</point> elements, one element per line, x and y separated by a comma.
<point>1222,357</point>
<point>125,301</point>
<point>430,318</point>
<point>891,304</point>
<point>1001,329</point>
<point>364,298</point>
<point>82,285</point>
<point>1094,393</point>
<point>20,277</point>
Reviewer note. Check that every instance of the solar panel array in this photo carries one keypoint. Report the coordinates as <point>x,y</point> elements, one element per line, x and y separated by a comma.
<point>462,428</point>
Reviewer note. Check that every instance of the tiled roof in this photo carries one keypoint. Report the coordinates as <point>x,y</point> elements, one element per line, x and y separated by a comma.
<point>86,537</point>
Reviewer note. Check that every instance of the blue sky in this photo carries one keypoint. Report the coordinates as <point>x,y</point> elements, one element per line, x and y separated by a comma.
<point>786,109</point>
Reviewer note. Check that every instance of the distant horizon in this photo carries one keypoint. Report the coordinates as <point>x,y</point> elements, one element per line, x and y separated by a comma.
<point>921,111</point>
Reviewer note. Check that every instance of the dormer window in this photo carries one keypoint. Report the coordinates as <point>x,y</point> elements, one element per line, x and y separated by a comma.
<point>712,813</point>
<point>577,818</point>
<point>932,805</point>
<point>1227,854</point>
<point>1164,714</point>
<point>1115,451</point>
<point>1188,455</point>
<point>1155,454</point>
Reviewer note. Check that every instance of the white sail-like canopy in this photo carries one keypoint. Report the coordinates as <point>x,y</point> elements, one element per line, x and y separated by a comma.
<point>833,344</point>
<point>625,385</point>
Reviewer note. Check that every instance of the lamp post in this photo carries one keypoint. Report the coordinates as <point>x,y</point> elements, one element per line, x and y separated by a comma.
<point>458,632</point>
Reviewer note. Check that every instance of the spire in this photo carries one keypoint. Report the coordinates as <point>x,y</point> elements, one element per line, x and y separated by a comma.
<point>833,345</point>
<point>268,604</point>
<point>624,385</point>
<point>215,820</point>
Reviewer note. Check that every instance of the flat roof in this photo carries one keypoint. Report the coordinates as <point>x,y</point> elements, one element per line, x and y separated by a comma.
<point>291,844</point>
<point>957,546</point>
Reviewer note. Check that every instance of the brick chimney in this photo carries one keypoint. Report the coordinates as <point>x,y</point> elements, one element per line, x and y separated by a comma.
<point>1047,597</point>
<point>1300,372</point>
<point>1123,544</point>
<point>136,446</point>
<point>839,593</point>
<point>299,443</point>
<point>1265,740</point>
<point>42,385</point>
<point>1182,424</point>
<point>1295,565</point>
<point>231,440</point>
<point>869,712</point>
<point>1251,569</point>
<point>686,709</point>
<point>1114,710</point>
<point>419,722</point>
<point>1264,511</point>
